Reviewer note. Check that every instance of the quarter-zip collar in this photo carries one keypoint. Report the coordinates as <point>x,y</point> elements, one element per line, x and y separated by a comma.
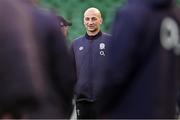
<point>93,37</point>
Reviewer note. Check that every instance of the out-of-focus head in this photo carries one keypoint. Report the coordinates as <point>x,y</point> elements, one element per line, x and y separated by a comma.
<point>10,9</point>
<point>35,1</point>
<point>92,21</point>
<point>155,3</point>
<point>32,1</point>
<point>64,25</point>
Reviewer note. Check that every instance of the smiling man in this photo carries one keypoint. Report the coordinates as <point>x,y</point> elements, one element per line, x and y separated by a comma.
<point>90,54</point>
<point>92,21</point>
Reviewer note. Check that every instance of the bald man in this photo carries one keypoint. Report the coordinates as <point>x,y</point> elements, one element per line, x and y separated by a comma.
<point>90,54</point>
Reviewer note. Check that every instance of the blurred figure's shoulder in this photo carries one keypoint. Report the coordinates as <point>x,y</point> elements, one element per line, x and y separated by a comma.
<point>134,16</point>
<point>44,18</point>
<point>43,11</point>
<point>136,10</point>
<point>35,8</point>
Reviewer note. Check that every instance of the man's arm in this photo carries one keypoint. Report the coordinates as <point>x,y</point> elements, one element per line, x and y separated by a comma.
<point>62,68</point>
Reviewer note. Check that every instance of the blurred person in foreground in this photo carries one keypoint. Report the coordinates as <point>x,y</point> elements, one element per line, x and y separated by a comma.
<point>36,70</point>
<point>56,62</point>
<point>144,62</point>
<point>90,53</point>
<point>17,90</point>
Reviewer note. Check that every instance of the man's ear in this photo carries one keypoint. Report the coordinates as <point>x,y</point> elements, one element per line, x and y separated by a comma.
<point>101,21</point>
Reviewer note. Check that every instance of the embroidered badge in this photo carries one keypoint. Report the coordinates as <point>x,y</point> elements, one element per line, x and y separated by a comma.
<point>169,35</point>
<point>102,53</point>
<point>102,46</point>
<point>81,48</point>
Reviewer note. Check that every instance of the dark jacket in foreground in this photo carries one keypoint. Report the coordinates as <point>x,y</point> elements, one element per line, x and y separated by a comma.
<point>36,75</point>
<point>144,61</point>
<point>56,65</point>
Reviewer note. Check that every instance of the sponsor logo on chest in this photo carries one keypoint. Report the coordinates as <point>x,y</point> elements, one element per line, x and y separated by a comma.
<point>102,47</point>
<point>169,35</point>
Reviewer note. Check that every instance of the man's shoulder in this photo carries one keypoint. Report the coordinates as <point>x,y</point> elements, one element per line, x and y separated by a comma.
<point>78,39</point>
<point>106,34</point>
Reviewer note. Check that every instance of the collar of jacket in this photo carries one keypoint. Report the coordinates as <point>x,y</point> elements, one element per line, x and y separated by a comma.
<point>93,37</point>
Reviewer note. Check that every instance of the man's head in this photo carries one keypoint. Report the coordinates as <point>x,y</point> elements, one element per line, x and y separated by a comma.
<point>92,21</point>
<point>64,25</point>
<point>33,1</point>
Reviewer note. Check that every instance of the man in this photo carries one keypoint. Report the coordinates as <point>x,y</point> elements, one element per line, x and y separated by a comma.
<point>17,89</point>
<point>144,62</point>
<point>36,70</point>
<point>90,53</point>
<point>56,65</point>
<point>64,25</point>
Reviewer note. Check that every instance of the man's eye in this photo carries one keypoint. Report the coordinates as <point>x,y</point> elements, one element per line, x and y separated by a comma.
<point>94,19</point>
<point>87,19</point>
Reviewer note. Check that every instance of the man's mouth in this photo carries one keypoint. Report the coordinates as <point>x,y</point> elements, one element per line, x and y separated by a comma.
<point>91,26</point>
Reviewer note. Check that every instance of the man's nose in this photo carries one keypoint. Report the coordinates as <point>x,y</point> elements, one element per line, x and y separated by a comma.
<point>90,22</point>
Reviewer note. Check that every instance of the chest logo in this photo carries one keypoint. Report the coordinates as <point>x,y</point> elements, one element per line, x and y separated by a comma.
<point>102,46</point>
<point>81,48</point>
<point>102,53</point>
<point>170,38</point>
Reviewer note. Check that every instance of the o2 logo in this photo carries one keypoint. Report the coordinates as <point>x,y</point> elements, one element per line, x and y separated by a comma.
<point>169,35</point>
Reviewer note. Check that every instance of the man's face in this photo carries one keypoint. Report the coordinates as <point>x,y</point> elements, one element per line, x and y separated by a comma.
<point>64,30</point>
<point>92,21</point>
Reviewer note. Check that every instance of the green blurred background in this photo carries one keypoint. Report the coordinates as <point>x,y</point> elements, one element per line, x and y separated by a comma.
<point>73,11</point>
